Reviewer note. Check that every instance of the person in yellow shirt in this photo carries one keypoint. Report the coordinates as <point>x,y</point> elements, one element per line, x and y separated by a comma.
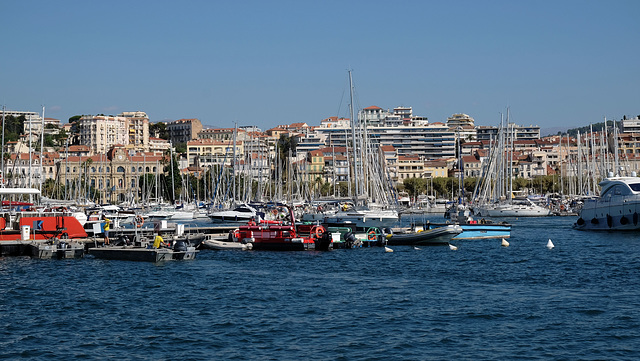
<point>158,241</point>
<point>107,226</point>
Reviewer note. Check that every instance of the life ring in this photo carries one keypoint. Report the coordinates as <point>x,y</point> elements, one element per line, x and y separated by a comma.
<point>319,232</point>
<point>274,212</point>
<point>562,207</point>
<point>372,236</point>
<point>139,221</point>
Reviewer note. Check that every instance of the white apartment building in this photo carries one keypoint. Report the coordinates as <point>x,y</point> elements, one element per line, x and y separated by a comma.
<point>101,132</point>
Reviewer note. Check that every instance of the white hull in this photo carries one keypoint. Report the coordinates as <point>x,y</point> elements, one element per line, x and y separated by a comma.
<point>225,245</point>
<point>514,210</point>
<point>617,209</point>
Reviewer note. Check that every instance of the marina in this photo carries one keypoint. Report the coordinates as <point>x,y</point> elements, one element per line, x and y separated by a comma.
<point>480,294</point>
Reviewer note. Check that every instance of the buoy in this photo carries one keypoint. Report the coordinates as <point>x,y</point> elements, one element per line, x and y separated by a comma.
<point>414,247</point>
<point>550,244</point>
<point>505,243</point>
<point>387,249</point>
<point>452,247</point>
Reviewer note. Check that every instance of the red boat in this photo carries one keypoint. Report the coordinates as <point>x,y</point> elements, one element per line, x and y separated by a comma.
<point>43,224</point>
<point>284,235</point>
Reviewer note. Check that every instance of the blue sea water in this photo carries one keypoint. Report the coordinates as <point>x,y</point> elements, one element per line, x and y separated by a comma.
<point>578,300</point>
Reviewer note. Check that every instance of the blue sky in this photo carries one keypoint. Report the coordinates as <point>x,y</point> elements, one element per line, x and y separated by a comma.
<point>554,63</point>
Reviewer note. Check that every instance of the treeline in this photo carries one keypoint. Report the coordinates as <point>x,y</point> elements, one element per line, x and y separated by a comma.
<point>595,127</point>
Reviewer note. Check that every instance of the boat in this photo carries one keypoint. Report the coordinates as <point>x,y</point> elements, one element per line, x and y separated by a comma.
<point>56,249</point>
<point>242,213</point>
<point>460,214</point>
<point>284,235</point>
<point>616,209</point>
<point>514,208</point>
<point>494,194</point>
<point>144,252</point>
<point>23,222</point>
<point>211,242</point>
<point>416,237</point>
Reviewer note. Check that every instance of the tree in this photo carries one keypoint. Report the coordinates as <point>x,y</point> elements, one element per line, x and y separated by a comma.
<point>159,130</point>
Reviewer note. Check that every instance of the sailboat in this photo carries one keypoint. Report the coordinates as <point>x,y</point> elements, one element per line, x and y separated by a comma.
<point>368,177</point>
<point>495,196</point>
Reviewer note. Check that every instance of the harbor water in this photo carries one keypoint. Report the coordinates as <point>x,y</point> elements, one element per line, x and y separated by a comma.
<point>578,300</point>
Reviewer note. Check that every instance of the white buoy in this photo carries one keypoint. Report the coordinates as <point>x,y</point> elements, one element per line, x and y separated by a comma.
<point>452,247</point>
<point>387,249</point>
<point>505,243</point>
<point>550,244</point>
<point>414,247</point>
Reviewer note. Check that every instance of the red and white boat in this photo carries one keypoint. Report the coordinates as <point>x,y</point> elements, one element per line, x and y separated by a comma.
<point>284,235</point>
<point>21,222</point>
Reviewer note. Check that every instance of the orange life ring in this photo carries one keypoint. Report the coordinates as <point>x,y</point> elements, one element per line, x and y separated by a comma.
<point>139,221</point>
<point>372,235</point>
<point>319,232</point>
<point>274,212</point>
<point>562,207</point>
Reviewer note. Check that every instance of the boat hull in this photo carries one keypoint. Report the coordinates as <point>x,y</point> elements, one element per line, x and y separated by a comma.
<point>142,254</point>
<point>600,215</point>
<point>433,236</point>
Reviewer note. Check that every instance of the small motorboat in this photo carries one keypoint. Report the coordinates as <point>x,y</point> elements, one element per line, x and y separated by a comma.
<point>433,236</point>
<point>211,242</point>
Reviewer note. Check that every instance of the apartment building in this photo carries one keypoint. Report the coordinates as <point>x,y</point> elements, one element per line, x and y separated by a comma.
<point>184,130</point>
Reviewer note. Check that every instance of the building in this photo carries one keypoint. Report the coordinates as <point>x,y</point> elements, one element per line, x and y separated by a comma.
<point>111,177</point>
<point>137,127</point>
<point>183,130</point>
<point>101,132</point>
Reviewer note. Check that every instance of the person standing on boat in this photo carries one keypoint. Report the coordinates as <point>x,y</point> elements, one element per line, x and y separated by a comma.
<point>107,226</point>
<point>158,241</point>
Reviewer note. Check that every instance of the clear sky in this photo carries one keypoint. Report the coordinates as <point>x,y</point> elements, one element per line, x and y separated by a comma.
<point>555,63</point>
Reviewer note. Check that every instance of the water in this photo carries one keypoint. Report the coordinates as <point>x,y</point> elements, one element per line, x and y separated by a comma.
<point>578,300</point>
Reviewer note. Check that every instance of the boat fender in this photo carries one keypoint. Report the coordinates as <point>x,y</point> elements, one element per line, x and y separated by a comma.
<point>580,221</point>
<point>609,220</point>
<point>635,218</point>
<point>624,220</point>
<point>594,220</point>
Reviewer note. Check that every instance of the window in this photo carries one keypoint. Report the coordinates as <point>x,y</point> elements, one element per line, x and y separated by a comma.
<point>120,169</point>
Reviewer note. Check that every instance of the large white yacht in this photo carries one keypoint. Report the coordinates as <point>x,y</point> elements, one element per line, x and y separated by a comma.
<point>617,207</point>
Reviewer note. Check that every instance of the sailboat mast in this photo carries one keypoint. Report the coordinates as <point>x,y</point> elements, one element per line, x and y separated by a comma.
<point>353,139</point>
<point>41,147</point>
<point>4,110</point>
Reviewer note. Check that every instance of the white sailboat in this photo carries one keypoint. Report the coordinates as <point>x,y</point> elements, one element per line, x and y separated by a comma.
<point>495,196</point>
<point>372,206</point>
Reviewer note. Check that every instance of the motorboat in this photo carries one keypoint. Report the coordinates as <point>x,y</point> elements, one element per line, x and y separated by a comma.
<point>284,235</point>
<point>514,208</point>
<point>212,242</point>
<point>617,207</point>
<point>242,213</point>
<point>432,236</point>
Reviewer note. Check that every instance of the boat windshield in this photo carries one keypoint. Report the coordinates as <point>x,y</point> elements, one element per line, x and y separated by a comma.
<point>635,187</point>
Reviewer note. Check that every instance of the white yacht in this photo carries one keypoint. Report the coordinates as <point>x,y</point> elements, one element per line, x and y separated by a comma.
<point>617,207</point>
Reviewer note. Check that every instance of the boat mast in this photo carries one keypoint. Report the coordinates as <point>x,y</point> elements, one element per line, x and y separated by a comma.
<point>353,139</point>
<point>41,147</point>
<point>4,110</point>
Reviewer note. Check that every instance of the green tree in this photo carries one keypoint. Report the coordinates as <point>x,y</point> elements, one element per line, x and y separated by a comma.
<point>159,130</point>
